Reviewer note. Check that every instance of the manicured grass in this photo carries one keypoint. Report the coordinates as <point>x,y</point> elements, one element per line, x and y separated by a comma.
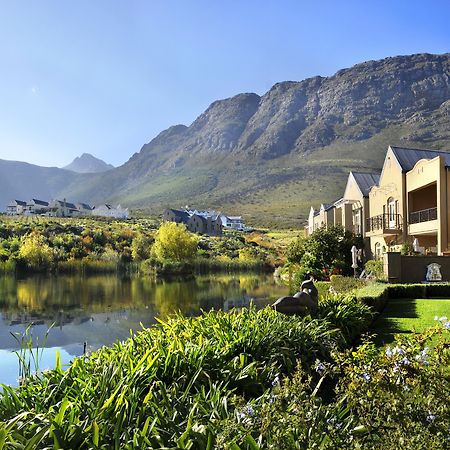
<point>409,315</point>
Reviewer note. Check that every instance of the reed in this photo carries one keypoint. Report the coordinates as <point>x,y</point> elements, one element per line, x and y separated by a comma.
<point>168,386</point>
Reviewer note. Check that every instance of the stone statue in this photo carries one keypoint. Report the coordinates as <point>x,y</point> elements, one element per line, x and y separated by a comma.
<point>303,302</point>
<point>433,272</point>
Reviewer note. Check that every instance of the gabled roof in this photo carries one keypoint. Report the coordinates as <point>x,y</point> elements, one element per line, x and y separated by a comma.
<point>183,215</point>
<point>39,202</point>
<point>66,204</point>
<point>366,181</point>
<point>326,206</point>
<point>18,202</point>
<point>198,216</point>
<point>84,206</point>
<point>408,157</point>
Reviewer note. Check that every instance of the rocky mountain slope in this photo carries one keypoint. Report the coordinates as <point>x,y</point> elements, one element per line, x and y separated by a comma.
<point>269,157</point>
<point>86,163</point>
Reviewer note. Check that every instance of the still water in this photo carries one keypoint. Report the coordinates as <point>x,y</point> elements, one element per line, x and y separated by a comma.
<point>97,310</point>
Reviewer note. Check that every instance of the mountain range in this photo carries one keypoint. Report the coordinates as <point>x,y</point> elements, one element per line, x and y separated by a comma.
<point>270,157</point>
<point>86,163</point>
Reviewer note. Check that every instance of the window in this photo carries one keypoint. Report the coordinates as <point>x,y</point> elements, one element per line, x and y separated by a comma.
<point>378,251</point>
<point>357,221</point>
<point>392,212</point>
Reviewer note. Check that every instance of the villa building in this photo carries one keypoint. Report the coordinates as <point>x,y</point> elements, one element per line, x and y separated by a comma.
<point>351,210</point>
<point>15,207</point>
<point>409,202</point>
<point>202,222</point>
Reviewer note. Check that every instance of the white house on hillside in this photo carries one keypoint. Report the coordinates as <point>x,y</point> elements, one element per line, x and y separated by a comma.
<point>106,210</point>
<point>232,222</point>
<point>15,207</point>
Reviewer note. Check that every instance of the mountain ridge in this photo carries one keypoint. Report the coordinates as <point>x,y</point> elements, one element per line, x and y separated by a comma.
<point>87,163</point>
<point>269,157</point>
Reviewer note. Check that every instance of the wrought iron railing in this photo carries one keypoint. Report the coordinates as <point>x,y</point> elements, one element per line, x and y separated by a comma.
<point>384,222</point>
<point>424,215</point>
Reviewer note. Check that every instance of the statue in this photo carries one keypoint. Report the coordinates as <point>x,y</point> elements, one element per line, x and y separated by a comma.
<point>433,272</point>
<point>303,302</point>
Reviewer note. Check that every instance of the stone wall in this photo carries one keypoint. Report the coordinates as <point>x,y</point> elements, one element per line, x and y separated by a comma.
<point>413,269</point>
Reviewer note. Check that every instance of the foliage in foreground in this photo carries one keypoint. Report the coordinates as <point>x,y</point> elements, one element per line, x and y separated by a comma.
<point>170,385</point>
<point>386,399</point>
<point>243,380</point>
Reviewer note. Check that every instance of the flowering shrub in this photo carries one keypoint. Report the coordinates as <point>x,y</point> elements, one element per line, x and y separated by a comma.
<point>396,397</point>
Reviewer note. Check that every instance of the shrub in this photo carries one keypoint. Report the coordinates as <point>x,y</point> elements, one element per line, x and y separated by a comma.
<point>375,268</point>
<point>342,285</point>
<point>324,252</point>
<point>35,252</point>
<point>174,243</point>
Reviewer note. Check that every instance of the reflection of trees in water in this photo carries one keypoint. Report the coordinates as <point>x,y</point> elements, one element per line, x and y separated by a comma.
<point>172,296</point>
<point>65,298</point>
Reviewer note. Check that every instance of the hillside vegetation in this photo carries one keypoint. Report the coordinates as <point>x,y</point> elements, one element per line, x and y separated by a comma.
<point>270,157</point>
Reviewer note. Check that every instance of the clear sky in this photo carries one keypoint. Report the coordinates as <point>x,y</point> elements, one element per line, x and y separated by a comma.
<point>106,76</point>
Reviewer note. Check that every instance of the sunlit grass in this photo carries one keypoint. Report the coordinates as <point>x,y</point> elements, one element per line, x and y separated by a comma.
<point>410,315</point>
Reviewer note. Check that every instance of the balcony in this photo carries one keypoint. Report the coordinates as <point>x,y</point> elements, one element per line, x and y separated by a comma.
<point>423,222</point>
<point>423,216</point>
<point>384,224</point>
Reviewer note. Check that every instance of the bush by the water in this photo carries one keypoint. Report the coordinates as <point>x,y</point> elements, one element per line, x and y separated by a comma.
<point>325,252</point>
<point>172,385</point>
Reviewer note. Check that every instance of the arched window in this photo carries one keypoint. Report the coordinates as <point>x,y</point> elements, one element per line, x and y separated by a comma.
<point>392,212</point>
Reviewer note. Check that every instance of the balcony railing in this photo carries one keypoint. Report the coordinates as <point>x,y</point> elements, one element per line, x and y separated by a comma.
<point>384,222</point>
<point>424,215</point>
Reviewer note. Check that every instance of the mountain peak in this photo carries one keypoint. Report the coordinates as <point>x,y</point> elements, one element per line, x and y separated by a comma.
<point>87,163</point>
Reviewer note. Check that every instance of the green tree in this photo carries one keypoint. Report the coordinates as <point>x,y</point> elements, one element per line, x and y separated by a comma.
<point>35,252</point>
<point>140,247</point>
<point>174,243</point>
<point>324,252</point>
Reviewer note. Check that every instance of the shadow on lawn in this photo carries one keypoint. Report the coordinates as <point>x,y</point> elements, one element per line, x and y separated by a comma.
<point>389,322</point>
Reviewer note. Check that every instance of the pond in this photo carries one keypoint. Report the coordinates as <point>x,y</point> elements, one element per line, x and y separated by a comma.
<point>86,312</point>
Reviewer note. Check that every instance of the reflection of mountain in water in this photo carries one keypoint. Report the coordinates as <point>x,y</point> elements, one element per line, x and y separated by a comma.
<point>102,309</point>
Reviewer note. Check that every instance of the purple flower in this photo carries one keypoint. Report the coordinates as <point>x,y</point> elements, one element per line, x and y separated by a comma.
<point>366,377</point>
<point>320,367</point>
<point>430,417</point>
<point>447,325</point>
<point>389,352</point>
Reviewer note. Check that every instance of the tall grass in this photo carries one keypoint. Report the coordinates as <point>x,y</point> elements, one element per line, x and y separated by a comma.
<point>166,386</point>
<point>30,353</point>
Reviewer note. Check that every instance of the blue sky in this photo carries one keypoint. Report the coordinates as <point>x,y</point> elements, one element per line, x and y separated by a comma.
<point>107,76</point>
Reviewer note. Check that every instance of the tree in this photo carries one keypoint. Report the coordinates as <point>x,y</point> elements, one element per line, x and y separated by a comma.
<point>324,252</point>
<point>140,247</point>
<point>173,243</point>
<point>35,252</point>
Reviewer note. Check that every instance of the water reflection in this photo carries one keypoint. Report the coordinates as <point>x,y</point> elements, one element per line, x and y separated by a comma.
<point>101,309</point>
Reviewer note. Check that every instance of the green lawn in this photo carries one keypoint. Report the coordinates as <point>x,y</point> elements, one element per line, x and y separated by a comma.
<point>407,315</point>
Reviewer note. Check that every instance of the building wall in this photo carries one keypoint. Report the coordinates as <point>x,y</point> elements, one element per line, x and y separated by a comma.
<point>427,187</point>
<point>392,185</point>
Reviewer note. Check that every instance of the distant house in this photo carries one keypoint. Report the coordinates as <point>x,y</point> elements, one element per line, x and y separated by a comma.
<point>35,206</point>
<point>176,215</point>
<point>202,222</point>
<point>232,222</point>
<point>107,210</point>
<point>16,207</point>
<point>84,208</point>
<point>204,225</point>
<point>61,208</point>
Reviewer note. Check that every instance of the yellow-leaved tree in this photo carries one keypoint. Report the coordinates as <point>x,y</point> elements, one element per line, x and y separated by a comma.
<point>35,252</point>
<point>173,243</point>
